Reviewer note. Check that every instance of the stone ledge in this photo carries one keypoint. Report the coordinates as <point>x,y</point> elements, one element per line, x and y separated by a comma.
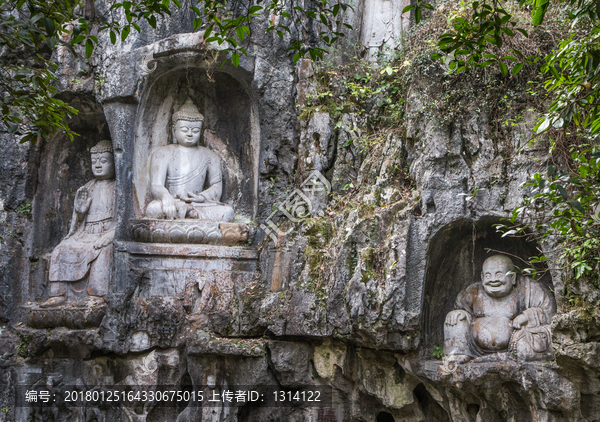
<point>235,347</point>
<point>68,316</point>
<point>472,371</point>
<point>187,250</point>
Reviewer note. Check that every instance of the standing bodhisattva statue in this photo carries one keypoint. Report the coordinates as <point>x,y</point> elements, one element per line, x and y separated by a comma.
<point>186,179</point>
<point>502,313</point>
<point>81,264</point>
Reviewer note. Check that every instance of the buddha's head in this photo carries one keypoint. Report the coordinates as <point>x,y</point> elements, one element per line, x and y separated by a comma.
<point>187,125</point>
<point>498,276</point>
<point>103,163</point>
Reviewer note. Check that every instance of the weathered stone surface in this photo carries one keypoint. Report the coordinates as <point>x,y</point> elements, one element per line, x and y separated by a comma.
<point>353,298</point>
<point>291,363</point>
<point>382,26</point>
<point>189,231</point>
<point>70,317</point>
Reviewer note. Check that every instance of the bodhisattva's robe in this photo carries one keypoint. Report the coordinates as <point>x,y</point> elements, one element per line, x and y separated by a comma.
<point>88,251</point>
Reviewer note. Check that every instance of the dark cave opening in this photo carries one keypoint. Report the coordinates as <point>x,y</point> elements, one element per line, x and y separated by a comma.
<point>385,417</point>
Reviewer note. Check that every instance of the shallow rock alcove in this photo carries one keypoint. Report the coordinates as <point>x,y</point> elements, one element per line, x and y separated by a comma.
<point>62,167</point>
<point>455,256</point>
<point>227,131</point>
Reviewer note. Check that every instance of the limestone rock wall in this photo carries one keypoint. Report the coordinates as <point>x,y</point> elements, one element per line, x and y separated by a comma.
<point>352,299</point>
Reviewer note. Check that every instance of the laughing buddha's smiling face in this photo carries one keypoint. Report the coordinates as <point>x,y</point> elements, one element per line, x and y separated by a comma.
<point>496,277</point>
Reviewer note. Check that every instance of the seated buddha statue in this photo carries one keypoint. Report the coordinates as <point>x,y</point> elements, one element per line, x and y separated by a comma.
<point>186,178</point>
<point>81,264</point>
<point>504,313</point>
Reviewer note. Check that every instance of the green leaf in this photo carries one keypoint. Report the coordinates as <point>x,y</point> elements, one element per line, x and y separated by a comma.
<point>517,68</point>
<point>78,39</point>
<point>522,31</point>
<point>113,37</point>
<point>436,56</point>
<point>508,32</point>
<point>445,42</point>
<point>36,18</point>
<point>408,8</point>
<point>51,41</point>
<point>544,125</point>
<point>89,48</point>
<point>240,33</point>
<point>562,191</point>
<point>575,204</point>
<point>517,52</point>
<point>207,32</point>
<point>125,32</point>
<point>417,15</point>
<point>50,26</point>
<point>540,12</point>
<point>235,58</point>
<point>503,68</point>
<point>558,123</point>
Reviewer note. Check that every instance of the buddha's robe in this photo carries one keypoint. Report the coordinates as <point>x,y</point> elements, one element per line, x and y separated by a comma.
<point>190,170</point>
<point>87,250</point>
<point>489,326</point>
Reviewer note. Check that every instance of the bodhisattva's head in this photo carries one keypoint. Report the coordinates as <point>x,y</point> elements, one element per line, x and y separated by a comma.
<point>495,276</point>
<point>187,125</point>
<point>103,163</point>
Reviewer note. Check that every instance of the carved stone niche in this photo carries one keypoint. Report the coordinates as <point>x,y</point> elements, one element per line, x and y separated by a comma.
<point>191,265</point>
<point>226,160</point>
<point>480,323</point>
<point>63,168</point>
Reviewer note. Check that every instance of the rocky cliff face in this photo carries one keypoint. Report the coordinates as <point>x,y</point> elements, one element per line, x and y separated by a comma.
<point>352,298</point>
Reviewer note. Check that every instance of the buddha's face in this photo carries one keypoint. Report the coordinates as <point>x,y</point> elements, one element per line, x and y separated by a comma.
<point>103,166</point>
<point>187,133</point>
<point>497,282</point>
